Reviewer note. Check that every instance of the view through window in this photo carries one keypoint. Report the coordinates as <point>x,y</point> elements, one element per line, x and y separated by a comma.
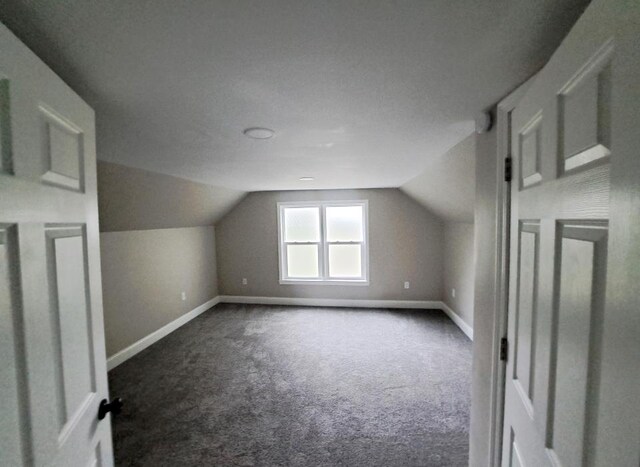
<point>323,242</point>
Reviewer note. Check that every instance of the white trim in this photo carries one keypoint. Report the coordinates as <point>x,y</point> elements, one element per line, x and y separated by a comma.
<point>323,282</point>
<point>126,353</point>
<point>353,303</point>
<point>468,330</point>
<point>139,346</point>
<point>331,302</point>
<point>497,376</point>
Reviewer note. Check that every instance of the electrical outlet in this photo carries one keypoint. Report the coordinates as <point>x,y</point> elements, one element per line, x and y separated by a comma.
<point>453,293</point>
<point>244,281</point>
<point>407,284</point>
<point>183,296</point>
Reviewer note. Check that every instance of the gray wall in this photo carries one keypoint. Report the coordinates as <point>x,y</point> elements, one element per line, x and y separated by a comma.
<point>134,199</point>
<point>487,183</point>
<point>143,275</point>
<point>447,186</point>
<point>145,264</point>
<point>459,269</point>
<point>405,244</point>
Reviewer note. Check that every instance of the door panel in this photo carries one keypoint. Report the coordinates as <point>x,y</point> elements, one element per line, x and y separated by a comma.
<point>584,114</point>
<point>576,347</point>
<point>530,148</point>
<point>53,337</point>
<point>565,148</point>
<point>71,321</point>
<point>62,146</point>
<point>6,164</point>
<point>525,318</point>
<point>11,355</point>
<point>515,459</point>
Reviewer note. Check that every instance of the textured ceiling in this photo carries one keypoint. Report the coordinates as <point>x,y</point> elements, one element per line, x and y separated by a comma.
<point>360,93</point>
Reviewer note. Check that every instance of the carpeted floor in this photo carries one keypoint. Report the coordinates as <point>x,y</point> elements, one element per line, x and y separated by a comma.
<point>292,386</point>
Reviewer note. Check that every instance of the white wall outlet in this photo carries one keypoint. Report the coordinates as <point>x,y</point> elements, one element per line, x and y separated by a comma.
<point>244,281</point>
<point>453,293</point>
<point>183,296</point>
<point>407,284</point>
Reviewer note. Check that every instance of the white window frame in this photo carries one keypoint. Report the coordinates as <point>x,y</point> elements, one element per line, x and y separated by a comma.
<point>323,244</point>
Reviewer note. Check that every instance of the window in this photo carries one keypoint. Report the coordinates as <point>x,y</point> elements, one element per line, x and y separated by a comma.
<point>323,242</point>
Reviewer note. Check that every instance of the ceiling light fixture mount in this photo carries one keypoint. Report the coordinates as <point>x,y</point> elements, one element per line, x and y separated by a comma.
<point>256,132</point>
<point>307,179</point>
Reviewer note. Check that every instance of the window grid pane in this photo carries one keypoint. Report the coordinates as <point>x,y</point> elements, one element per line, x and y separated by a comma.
<point>323,242</point>
<point>345,260</point>
<point>344,223</point>
<point>302,224</point>
<point>302,261</point>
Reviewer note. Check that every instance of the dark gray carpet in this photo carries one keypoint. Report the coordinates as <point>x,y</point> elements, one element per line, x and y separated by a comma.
<point>270,385</point>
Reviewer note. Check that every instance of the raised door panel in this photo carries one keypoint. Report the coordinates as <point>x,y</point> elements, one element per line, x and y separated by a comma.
<point>515,458</point>
<point>530,152</point>
<point>12,445</point>
<point>95,460</point>
<point>62,151</point>
<point>71,324</point>
<point>525,313</point>
<point>6,159</point>
<point>578,320</point>
<point>584,114</point>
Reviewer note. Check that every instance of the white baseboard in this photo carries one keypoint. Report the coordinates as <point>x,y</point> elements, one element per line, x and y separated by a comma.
<point>468,330</point>
<point>413,304</point>
<point>139,346</point>
<point>419,304</point>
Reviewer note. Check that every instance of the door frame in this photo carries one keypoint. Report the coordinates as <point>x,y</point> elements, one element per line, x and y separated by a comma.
<point>501,270</point>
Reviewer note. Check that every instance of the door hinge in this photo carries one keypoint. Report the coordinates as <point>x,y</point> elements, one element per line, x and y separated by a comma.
<point>507,169</point>
<point>504,349</point>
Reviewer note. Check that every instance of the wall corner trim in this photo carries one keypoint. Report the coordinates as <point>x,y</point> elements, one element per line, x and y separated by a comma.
<point>468,330</point>
<point>137,347</point>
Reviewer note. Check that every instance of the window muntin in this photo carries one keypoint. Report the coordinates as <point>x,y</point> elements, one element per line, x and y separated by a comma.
<point>323,242</point>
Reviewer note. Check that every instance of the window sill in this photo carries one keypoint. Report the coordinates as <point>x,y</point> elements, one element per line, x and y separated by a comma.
<point>359,282</point>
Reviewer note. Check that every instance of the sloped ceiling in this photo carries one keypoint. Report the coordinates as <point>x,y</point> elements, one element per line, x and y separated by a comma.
<point>361,93</point>
<point>133,199</point>
<point>447,186</point>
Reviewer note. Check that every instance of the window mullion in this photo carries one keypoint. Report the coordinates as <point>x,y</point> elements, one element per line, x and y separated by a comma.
<point>324,262</point>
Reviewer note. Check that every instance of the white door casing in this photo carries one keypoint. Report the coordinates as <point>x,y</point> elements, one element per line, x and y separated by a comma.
<point>53,373</point>
<point>572,378</point>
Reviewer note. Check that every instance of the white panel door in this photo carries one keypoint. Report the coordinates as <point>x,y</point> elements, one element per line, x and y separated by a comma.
<point>53,370</point>
<point>572,385</point>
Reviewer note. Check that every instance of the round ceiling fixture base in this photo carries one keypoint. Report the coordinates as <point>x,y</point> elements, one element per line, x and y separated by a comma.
<point>258,132</point>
